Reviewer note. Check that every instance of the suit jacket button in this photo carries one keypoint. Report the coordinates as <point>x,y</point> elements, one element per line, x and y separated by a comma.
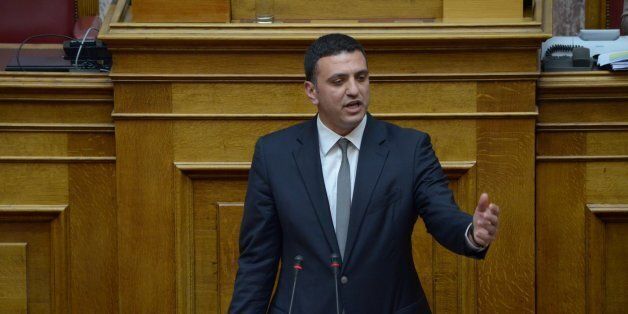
<point>344,280</point>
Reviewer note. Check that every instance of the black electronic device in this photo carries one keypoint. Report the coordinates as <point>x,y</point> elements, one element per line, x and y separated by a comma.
<point>560,58</point>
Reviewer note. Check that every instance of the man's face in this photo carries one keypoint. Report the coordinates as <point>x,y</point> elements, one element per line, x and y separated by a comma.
<point>341,92</point>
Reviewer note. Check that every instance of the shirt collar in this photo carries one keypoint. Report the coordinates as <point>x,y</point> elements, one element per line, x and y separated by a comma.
<point>328,138</point>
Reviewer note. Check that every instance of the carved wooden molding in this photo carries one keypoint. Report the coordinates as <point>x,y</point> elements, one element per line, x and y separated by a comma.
<point>581,158</point>
<point>596,217</point>
<point>609,212</point>
<point>582,126</point>
<point>453,169</point>
<point>58,127</point>
<point>31,212</point>
<point>302,116</point>
<point>289,78</point>
<point>120,34</point>
<point>57,216</point>
<point>39,80</point>
<point>57,159</point>
<point>582,85</point>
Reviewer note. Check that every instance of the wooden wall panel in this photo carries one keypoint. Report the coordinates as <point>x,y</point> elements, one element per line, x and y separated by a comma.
<point>191,100</point>
<point>54,111</point>
<point>58,190</point>
<point>581,189</point>
<point>616,272</point>
<point>146,239</point>
<point>93,238</point>
<point>476,9</point>
<point>334,10</point>
<point>285,62</point>
<point>208,11</point>
<point>13,277</point>
<point>505,161</point>
<point>38,261</point>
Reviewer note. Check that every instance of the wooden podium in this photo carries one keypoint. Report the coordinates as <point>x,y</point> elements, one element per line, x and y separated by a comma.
<point>192,98</point>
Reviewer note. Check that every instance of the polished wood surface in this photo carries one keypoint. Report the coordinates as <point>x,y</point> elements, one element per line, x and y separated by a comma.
<point>199,11</point>
<point>581,184</point>
<point>124,192</point>
<point>190,130</point>
<point>58,193</point>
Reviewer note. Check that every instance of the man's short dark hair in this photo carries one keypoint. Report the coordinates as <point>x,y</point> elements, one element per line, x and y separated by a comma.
<point>328,45</point>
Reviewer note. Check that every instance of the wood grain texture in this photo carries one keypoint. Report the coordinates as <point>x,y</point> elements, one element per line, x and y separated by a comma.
<point>218,214</point>
<point>33,183</point>
<point>146,239</point>
<point>612,110</point>
<point>38,261</point>
<point>87,7</point>
<point>93,237</point>
<point>345,10</point>
<point>55,110</point>
<point>560,237</point>
<point>280,62</point>
<point>208,11</point>
<point>44,229</point>
<point>477,9</point>
<point>13,278</point>
<point>616,272</point>
<point>606,182</point>
<point>506,279</point>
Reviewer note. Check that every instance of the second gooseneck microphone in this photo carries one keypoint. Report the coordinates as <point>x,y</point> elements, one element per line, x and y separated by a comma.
<point>298,266</point>
<point>335,265</point>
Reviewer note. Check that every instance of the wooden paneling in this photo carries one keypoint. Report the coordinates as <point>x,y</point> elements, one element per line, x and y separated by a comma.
<point>581,189</point>
<point>200,11</point>
<point>44,230</point>
<point>13,277</point>
<point>191,99</point>
<point>505,160</point>
<point>476,9</point>
<point>345,10</point>
<point>57,147</point>
<point>440,61</point>
<point>146,239</point>
<point>87,7</point>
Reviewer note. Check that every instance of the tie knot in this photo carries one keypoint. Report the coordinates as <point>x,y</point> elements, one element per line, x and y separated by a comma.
<point>343,143</point>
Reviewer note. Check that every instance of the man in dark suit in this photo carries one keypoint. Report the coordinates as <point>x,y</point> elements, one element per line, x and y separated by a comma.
<point>348,184</point>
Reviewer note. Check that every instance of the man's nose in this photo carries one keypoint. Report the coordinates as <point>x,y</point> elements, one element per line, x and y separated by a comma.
<point>352,88</point>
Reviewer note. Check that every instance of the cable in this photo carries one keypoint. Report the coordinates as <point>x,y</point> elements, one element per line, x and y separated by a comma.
<point>19,49</point>
<point>78,53</point>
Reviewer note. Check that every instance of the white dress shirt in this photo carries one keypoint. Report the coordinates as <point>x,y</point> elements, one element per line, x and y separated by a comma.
<point>331,157</point>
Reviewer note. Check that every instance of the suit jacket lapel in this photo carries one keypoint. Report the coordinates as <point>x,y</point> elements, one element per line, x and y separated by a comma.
<point>370,163</point>
<point>307,157</point>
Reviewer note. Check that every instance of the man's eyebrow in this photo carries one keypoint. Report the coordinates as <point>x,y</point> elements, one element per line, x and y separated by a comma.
<point>338,75</point>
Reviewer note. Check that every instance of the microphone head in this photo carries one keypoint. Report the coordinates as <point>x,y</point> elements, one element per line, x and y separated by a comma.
<point>335,260</point>
<point>298,262</point>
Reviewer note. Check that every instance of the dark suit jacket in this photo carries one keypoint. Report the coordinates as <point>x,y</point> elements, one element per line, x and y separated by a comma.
<point>287,214</point>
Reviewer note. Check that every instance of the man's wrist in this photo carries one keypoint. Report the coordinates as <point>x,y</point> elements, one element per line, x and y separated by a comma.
<point>471,241</point>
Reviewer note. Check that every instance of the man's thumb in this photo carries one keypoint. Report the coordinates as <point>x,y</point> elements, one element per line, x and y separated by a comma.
<point>483,203</point>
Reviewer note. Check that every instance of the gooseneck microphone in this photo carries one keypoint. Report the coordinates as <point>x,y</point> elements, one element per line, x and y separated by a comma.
<point>298,266</point>
<point>335,265</point>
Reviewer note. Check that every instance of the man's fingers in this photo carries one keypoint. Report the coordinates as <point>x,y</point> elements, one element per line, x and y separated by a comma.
<point>494,209</point>
<point>483,202</point>
<point>492,219</point>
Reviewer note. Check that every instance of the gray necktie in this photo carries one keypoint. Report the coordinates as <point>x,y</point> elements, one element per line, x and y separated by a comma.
<point>343,198</point>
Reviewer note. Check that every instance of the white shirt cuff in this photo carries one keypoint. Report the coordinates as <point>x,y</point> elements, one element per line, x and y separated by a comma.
<point>470,243</point>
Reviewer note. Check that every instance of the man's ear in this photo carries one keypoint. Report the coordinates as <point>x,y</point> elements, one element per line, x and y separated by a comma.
<point>310,91</point>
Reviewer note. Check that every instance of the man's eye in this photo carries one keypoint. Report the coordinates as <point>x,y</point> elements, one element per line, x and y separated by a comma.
<point>337,82</point>
<point>362,78</point>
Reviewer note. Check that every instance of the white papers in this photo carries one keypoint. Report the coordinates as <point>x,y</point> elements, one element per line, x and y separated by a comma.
<point>617,61</point>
